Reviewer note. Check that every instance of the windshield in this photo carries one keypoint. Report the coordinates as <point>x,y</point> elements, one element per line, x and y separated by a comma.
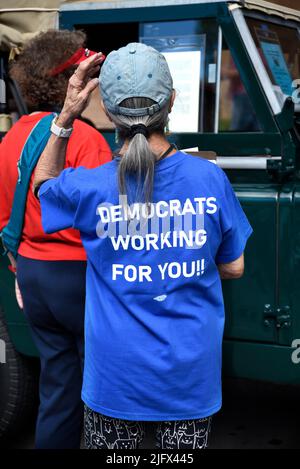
<point>279,48</point>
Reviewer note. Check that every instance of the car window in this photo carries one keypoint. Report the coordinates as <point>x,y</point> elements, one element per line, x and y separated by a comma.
<point>279,48</point>
<point>236,110</point>
<point>191,49</point>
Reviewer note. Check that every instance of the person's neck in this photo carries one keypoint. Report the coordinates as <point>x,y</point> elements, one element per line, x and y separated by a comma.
<point>158,144</point>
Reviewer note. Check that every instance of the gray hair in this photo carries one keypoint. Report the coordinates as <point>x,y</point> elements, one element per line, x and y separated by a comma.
<point>139,160</point>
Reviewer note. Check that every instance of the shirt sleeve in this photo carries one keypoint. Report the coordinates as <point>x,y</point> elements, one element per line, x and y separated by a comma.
<point>87,147</point>
<point>235,226</point>
<point>59,198</point>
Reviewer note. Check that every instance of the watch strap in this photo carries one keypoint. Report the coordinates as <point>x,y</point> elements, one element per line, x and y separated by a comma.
<point>60,131</point>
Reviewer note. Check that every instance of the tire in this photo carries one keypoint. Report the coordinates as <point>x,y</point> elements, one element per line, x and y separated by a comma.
<point>18,388</point>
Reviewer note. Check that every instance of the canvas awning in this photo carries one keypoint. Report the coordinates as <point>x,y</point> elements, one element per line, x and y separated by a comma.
<point>273,9</point>
<point>24,18</point>
<point>20,20</point>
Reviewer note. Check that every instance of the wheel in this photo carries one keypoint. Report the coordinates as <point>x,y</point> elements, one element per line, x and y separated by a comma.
<point>18,387</point>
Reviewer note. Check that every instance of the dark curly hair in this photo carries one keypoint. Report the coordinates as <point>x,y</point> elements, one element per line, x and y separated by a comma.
<point>43,53</point>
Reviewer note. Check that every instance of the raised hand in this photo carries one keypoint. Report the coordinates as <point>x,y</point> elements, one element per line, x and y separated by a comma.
<point>81,85</point>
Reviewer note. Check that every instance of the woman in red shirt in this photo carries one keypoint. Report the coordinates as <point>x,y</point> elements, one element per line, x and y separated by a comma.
<point>51,268</point>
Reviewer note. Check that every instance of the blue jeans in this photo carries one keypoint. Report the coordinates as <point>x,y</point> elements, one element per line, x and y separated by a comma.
<point>54,297</point>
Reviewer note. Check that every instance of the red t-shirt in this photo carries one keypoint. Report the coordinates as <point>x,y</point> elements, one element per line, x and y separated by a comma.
<point>86,147</point>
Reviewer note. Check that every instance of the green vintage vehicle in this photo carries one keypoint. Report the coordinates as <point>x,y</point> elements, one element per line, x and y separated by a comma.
<point>235,66</point>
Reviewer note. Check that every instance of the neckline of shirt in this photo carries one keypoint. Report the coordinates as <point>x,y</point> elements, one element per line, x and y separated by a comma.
<point>33,117</point>
<point>166,162</point>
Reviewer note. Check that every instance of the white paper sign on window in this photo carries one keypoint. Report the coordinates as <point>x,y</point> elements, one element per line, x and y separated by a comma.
<point>185,67</point>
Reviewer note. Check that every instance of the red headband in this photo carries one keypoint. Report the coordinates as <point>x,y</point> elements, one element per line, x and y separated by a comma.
<point>79,56</point>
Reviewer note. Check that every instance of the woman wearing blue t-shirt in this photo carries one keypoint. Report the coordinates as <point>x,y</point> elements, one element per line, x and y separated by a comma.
<point>160,228</point>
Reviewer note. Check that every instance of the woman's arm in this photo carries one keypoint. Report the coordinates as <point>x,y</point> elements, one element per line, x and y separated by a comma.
<point>233,269</point>
<point>52,160</point>
<point>13,263</point>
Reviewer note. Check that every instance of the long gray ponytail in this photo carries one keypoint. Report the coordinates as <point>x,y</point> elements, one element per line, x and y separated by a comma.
<point>139,160</point>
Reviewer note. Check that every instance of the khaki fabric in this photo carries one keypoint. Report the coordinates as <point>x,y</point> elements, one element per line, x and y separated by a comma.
<point>276,8</point>
<point>17,28</point>
<point>20,20</point>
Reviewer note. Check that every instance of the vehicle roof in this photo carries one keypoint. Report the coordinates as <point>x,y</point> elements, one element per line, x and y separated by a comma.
<point>258,5</point>
<point>20,20</point>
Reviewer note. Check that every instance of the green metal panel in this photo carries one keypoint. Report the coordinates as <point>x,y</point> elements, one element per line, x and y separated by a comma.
<point>290,263</point>
<point>286,251</point>
<point>232,144</point>
<point>272,275</point>
<point>260,362</point>
<point>224,144</point>
<point>245,298</point>
<point>117,15</point>
<point>17,325</point>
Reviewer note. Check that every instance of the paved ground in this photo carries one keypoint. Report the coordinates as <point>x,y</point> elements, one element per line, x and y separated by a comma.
<point>254,415</point>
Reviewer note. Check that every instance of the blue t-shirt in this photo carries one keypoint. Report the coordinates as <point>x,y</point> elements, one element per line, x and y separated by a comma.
<point>154,305</point>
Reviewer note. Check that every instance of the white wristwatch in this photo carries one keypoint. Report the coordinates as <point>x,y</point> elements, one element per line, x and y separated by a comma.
<point>60,131</point>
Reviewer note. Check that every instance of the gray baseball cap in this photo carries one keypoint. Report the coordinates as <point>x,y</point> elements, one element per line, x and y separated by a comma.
<point>136,70</point>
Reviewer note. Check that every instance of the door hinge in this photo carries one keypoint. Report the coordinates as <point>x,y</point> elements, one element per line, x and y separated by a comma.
<point>280,317</point>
